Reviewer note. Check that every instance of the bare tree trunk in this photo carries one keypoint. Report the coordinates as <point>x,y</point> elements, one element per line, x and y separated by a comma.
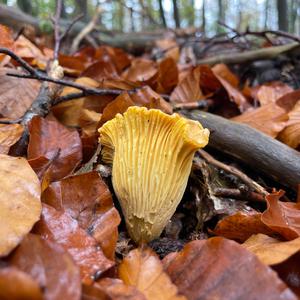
<point>267,6</point>
<point>82,8</point>
<point>203,18</point>
<point>294,4</point>
<point>25,5</point>
<point>282,11</point>
<point>221,15</point>
<point>176,14</point>
<point>162,14</point>
<point>64,14</point>
<point>192,16</point>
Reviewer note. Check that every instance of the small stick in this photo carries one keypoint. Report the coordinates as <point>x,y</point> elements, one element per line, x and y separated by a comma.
<point>237,193</point>
<point>230,169</point>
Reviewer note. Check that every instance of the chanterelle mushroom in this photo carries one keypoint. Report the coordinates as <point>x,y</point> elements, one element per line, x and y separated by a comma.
<point>152,155</point>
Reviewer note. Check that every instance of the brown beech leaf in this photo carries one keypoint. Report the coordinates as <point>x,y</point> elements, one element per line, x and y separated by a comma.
<point>27,288</point>
<point>101,70</point>
<point>71,64</point>
<point>9,135</point>
<point>111,289</point>
<point>141,70</point>
<point>7,39</point>
<point>222,269</point>
<point>143,97</point>
<point>223,71</point>
<point>20,204</point>
<point>271,118</point>
<point>241,226</point>
<point>61,228</point>
<point>289,272</point>
<point>49,265</point>
<point>16,94</point>
<point>167,76</point>
<point>282,217</point>
<point>143,269</point>
<point>291,133</point>
<point>271,251</point>
<point>87,199</point>
<point>271,92</point>
<point>188,90</point>
<point>46,138</point>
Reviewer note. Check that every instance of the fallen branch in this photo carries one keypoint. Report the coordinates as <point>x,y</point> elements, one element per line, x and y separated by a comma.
<point>251,55</point>
<point>259,151</point>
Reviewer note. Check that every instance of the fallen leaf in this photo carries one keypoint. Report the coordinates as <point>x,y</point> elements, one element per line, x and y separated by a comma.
<point>167,76</point>
<point>49,265</point>
<point>241,226</point>
<point>289,272</point>
<point>223,71</point>
<point>20,204</point>
<point>71,64</point>
<point>46,137</point>
<point>143,269</point>
<point>291,133</point>
<point>101,70</point>
<point>271,251</point>
<point>61,228</point>
<point>7,40</point>
<point>270,118</point>
<point>141,70</point>
<point>87,199</point>
<point>27,288</point>
<point>222,269</point>
<point>282,217</point>
<point>188,90</point>
<point>16,94</point>
<point>9,135</point>
<point>271,92</point>
<point>111,288</point>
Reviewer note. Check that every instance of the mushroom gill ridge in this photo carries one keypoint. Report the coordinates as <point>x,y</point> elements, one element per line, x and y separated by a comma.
<point>151,155</point>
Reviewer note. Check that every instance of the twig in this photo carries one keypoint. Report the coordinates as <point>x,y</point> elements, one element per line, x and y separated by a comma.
<point>237,193</point>
<point>264,53</point>
<point>86,30</point>
<point>230,169</point>
<point>201,104</point>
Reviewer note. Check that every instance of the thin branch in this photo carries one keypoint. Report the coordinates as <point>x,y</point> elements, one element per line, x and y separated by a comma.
<point>237,193</point>
<point>232,170</point>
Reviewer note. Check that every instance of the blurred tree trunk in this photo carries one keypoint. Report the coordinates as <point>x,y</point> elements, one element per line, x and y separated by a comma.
<point>64,14</point>
<point>293,15</point>
<point>282,12</point>
<point>203,18</point>
<point>120,16</point>
<point>25,5</point>
<point>82,8</point>
<point>221,15</point>
<point>3,1</point>
<point>162,14</point>
<point>267,7</point>
<point>176,14</point>
<point>192,16</point>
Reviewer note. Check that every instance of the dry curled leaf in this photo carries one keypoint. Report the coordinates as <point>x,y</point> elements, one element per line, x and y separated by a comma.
<point>61,228</point>
<point>87,199</point>
<point>271,251</point>
<point>141,70</point>
<point>9,135</point>
<point>241,226</point>
<point>111,289</point>
<point>222,269</point>
<point>20,204</point>
<point>49,137</point>
<point>282,217</point>
<point>143,269</point>
<point>49,265</point>
<point>223,71</point>
<point>27,287</point>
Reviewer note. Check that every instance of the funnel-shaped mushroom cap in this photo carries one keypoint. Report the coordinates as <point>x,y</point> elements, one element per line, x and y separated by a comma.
<point>152,155</point>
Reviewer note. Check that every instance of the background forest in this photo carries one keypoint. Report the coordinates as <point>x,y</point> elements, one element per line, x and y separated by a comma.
<point>144,15</point>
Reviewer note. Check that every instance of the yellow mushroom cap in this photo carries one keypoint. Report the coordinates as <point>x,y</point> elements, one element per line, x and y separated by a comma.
<point>151,155</point>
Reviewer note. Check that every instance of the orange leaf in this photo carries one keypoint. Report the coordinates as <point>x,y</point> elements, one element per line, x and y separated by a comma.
<point>282,217</point>
<point>9,135</point>
<point>28,289</point>
<point>223,71</point>
<point>20,205</point>
<point>111,288</point>
<point>141,70</point>
<point>47,137</point>
<point>222,269</point>
<point>241,226</point>
<point>143,269</point>
<point>50,266</point>
<point>60,227</point>
<point>92,207</point>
